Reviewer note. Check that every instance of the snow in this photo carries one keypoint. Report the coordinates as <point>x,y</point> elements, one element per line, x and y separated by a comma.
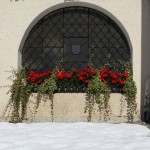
<point>73,136</point>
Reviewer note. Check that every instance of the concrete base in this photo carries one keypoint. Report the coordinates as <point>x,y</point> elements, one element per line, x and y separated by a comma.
<point>69,107</point>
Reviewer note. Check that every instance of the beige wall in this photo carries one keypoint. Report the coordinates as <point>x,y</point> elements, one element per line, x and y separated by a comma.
<point>17,19</point>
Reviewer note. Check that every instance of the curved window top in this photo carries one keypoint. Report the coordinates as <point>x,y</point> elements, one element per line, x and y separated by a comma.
<point>75,36</point>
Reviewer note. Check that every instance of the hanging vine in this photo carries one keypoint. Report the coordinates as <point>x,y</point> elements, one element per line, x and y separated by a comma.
<point>46,91</point>
<point>97,93</point>
<point>130,92</point>
<point>20,92</point>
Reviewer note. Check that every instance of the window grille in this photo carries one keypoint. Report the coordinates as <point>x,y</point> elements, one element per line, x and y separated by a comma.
<point>74,36</point>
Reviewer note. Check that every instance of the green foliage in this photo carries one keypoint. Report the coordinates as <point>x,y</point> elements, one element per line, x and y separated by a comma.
<point>99,93</point>
<point>130,92</point>
<point>20,93</point>
<point>46,90</point>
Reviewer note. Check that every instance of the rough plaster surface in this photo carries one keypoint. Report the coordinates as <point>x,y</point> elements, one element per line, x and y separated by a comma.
<point>17,18</point>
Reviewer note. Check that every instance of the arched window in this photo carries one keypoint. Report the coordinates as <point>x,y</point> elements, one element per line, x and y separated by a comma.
<point>74,36</point>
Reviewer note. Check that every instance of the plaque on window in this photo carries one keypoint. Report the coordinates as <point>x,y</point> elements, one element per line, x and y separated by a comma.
<point>76,49</point>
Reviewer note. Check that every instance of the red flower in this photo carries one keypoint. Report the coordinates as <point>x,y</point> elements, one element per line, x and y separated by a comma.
<point>113,75</point>
<point>32,73</point>
<point>33,80</point>
<point>88,69</point>
<point>40,75</point>
<point>86,81</point>
<point>63,75</point>
<point>81,78</point>
<point>83,69</point>
<point>125,74</point>
<point>113,81</point>
<point>106,81</point>
<point>74,70</point>
<point>44,74</point>
<point>60,77</point>
<point>48,72</point>
<point>83,73</point>
<point>121,82</point>
<point>68,76</point>
<point>63,72</point>
<point>102,79</point>
<point>118,74</point>
<point>87,75</point>
<point>94,72</point>
<point>104,75</point>
<point>39,81</point>
<point>28,77</point>
<point>103,71</point>
<point>57,73</point>
<point>79,75</point>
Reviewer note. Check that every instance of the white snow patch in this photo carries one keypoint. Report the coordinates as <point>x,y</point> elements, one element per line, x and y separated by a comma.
<point>74,136</point>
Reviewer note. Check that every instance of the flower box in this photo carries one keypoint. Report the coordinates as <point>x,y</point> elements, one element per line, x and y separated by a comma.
<point>76,81</point>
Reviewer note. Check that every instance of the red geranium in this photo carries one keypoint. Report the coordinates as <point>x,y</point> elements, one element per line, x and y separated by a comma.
<point>121,82</point>
<point>113,75</point>
<point>79,75</point>
<point>106,81</point>
<point>86,81</point>
<point>83,73</point>
<point>94,72</point>
<point>125,74</point>
<point>33,80</point>
<point>61,74</point>
<point>103,71</point>
<point>81,78</point>
<point>113,81</point>
<point>39,81</point>
<point>102,79</point>
<point>68,76</point>
<point>104,75</point>
<point>88,69</point>
<point>74,70</point>
<point>83,69</point>
<point>87,75</point>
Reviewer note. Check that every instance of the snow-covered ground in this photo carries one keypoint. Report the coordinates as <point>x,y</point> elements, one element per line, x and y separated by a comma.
<point>73,136</point>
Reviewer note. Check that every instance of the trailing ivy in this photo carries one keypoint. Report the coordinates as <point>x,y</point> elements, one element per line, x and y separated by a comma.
<point>46,91</point>
<point>130,92</point>
<point>97,93</point>
<point>20,92</point>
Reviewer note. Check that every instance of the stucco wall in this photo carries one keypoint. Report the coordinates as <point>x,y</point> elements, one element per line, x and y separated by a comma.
<point>70,107</point>
<point>17,19</point>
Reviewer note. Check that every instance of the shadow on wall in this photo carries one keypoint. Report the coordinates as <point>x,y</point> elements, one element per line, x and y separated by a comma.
<point>145,49</point>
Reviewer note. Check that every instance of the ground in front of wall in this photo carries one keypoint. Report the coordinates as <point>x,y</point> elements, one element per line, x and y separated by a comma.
<point>74,136</point>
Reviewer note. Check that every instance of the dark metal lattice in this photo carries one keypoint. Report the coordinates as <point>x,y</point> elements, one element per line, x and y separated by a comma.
<point>74,35</point>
